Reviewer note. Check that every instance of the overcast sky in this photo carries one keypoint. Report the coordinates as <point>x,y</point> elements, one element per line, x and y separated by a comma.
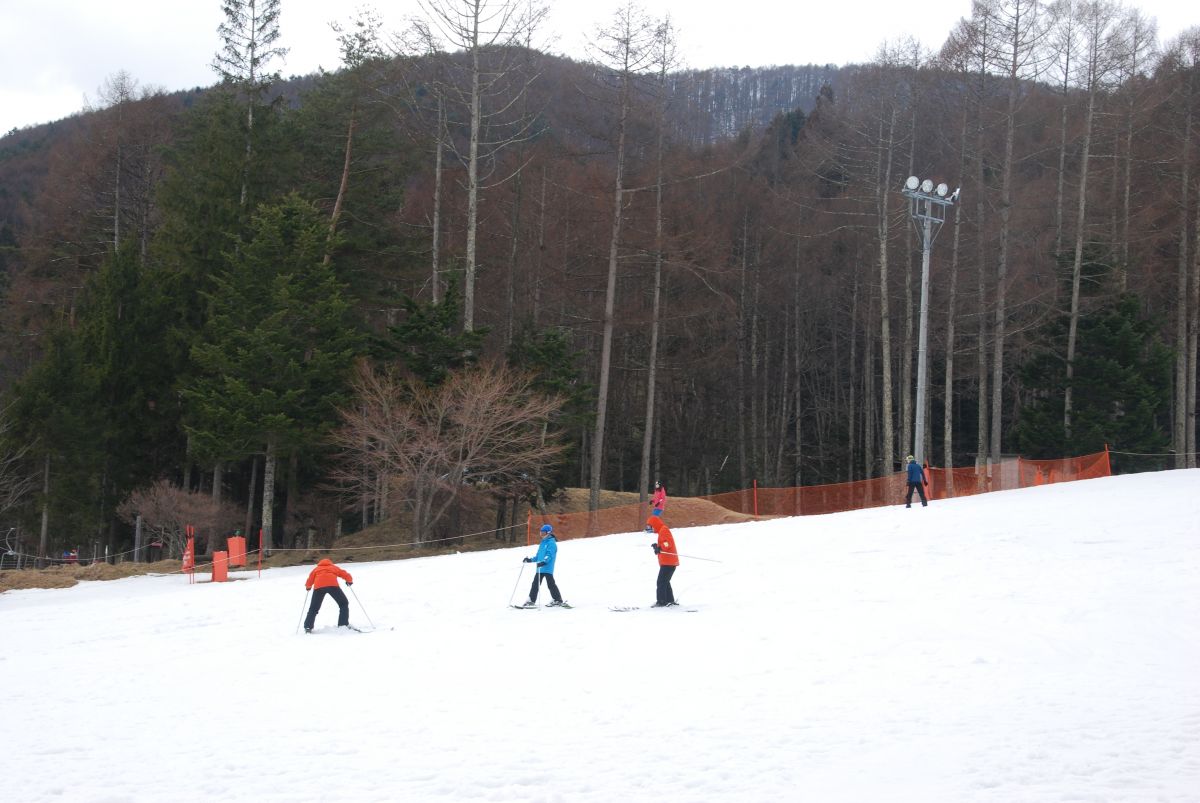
<point>56,53</point>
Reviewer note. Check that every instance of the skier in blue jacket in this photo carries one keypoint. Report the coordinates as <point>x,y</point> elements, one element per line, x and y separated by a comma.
<point>916,482</point>
<point>546,555</point>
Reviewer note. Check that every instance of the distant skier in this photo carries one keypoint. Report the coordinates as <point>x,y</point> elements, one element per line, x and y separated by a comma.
<point>668,561</point>
<point>658,501</point>
<point>916,482</point>
<point>324,578</point>
<point>546,555</point>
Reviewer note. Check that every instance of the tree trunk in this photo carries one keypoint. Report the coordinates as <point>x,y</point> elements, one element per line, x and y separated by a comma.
<point>472,186</point>
<point>652,361</point>
<point>250,497</point>
<point>1060,195</point>
<point>756,461</point>
<point>268,498</point>
<point>117,201</point>
<point>1000,318</point>
<point>218,480</point>
<point>885,319</point>
<point>187,466</point>
<point>44,540</point>
<point>514,225</point>
<point>740,391</point>
<point>1077,265</point>
<point>342,185</point>
<point>852,405</point>
<point>981,363</point>
<point>1179,431</point>
<point>434,280</point>
<point>907,417</point>
<point>541,254</point>
<point>610,295</point>
<point>870,407</point>
<point>951,307</point>
<point>1193,356</point>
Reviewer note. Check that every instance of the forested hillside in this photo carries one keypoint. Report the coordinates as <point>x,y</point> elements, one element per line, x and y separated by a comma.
<point>458,272</point>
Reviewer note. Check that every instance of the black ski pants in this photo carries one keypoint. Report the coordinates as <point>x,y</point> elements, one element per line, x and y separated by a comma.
<point>339,597</point>
<point>920,489</point>
<point>550,584</point>
<point>665,596</point>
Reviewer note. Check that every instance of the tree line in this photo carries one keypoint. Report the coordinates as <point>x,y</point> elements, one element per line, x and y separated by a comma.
<point>462,269</point>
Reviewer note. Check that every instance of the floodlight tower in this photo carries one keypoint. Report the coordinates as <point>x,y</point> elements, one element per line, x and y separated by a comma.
<point>927,207</point>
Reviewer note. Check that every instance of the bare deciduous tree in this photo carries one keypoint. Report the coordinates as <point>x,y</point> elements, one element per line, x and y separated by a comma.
<point>15,480</point>
<point>167,511</point>
<point>1096,20</point>
<point>486,31</point>
<point>483,426</point>
<point>627,48</point>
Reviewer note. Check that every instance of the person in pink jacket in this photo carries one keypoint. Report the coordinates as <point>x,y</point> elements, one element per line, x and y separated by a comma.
<point>658,500</point>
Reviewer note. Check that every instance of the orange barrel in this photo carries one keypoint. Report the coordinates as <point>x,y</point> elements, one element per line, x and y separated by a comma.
<point>237,550</point>
<point>220,567</point>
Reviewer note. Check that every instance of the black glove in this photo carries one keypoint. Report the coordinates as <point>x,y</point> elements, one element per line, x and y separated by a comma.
<point>543,563</point>
<point>657,549</point>
<point>349,582</point>
<point>527,560</point>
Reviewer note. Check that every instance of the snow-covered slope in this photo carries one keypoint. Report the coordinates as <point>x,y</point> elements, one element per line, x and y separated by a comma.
<point>1041,644</point>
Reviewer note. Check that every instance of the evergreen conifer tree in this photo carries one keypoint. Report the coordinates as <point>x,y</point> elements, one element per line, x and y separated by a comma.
<point>277,345</point>
<point>1122,385</point>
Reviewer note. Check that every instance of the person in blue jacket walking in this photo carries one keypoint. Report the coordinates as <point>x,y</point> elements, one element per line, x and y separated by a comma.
<point>546,555</point>
<point>916,482</point>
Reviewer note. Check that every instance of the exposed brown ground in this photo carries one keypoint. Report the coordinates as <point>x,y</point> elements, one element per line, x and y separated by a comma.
<point>386,541</point>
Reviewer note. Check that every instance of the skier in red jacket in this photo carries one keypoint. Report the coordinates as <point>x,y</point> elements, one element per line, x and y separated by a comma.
<point>324,578</point>
<point>668,561</point>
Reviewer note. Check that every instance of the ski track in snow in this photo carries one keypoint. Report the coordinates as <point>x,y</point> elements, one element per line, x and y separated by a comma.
<point>1034,645</point>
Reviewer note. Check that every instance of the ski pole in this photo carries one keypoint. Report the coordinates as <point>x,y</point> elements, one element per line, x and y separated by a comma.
<point>364,610</point>
<point>302,607</point>
<point>517,585</point>
<point>691,557</point>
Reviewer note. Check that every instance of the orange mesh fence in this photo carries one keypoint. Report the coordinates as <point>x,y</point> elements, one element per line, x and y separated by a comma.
<point>944,483</point>
<point>609,520</point>
<point>814,499</point>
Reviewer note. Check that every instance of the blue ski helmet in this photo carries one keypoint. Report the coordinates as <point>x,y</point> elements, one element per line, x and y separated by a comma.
<point>546,528</point>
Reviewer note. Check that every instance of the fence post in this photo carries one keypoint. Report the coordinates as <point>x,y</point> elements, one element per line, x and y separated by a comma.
<point>756,498</point>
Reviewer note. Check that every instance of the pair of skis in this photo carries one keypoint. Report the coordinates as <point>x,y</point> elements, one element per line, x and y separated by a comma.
<point>615,608</point>
<point>355,628</point>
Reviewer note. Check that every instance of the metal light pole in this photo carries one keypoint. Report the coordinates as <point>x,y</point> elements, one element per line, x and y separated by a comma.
<point>927,207</point>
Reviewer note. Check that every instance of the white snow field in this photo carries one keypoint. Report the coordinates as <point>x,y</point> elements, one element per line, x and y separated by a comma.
<point>1032,645</point>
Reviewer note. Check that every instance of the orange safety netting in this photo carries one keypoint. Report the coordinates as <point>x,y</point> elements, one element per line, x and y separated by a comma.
<point>810,500</point>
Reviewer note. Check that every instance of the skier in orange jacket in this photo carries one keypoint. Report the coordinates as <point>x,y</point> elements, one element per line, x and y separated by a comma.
<point>668,560</point>
<point>324,578</point>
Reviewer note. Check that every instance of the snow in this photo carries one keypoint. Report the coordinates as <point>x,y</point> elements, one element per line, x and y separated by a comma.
<point>1033,645</point>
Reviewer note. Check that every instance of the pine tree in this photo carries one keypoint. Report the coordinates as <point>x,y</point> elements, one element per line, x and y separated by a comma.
<point>276,348</point>
<point>430,341</point>
<point>122,330</point>
<point>1121,386</point>
<point>547,354</point>
<point>54,415</point>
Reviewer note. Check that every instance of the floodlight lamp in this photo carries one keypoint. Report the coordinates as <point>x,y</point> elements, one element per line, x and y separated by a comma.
<point>927,186</point>
<point>912,183</point>
<point>942,189</point>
